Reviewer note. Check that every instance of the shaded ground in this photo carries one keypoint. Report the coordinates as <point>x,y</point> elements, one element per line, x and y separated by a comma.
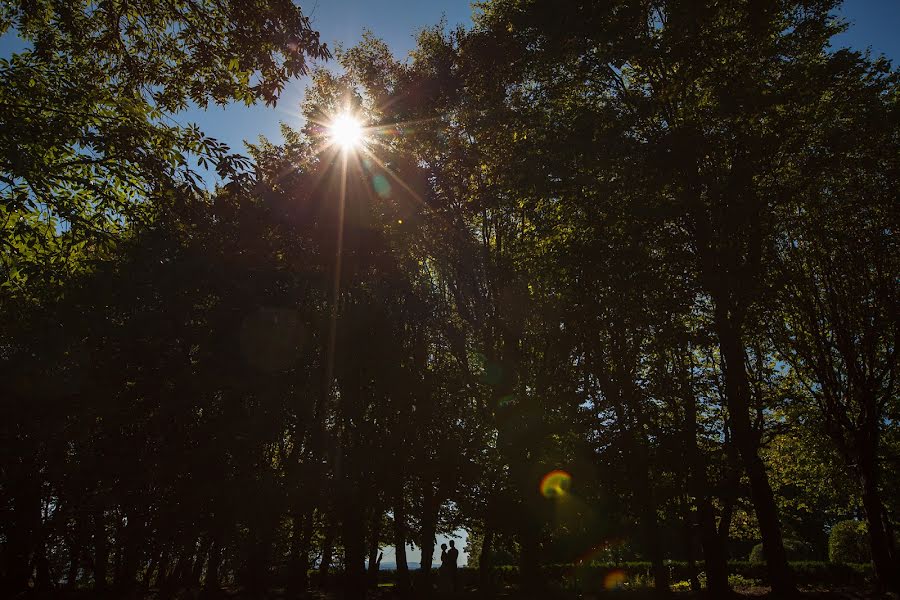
<point>386,592</point>
<point>758,592</point>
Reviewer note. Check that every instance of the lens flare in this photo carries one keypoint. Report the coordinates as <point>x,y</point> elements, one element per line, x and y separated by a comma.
<point>346,131</point>
<point>555,484</point>
<point>614,580</point>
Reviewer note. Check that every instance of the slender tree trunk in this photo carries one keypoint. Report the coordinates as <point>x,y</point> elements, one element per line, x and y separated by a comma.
<point>400,540</point>
<point>212,581</point>
<point>74,561</point>
<point>128,555</point>
<point>351,501</point>
<point>353,536</point>
<point>881,543</point>
<point>162,571</point>
<point>101,551</point>
<point>645,494</point>
<point>259,559</point>
<point>22,531</point>
<point>327,552</point>
<point>76,548</point>
<point>714,557</point>
<point>301,532</point>
<point>652,541</point>
<point>485,561</point>
<point>148,572</point>
<point>688,526</point>
<point>737,393</point>
<point>531,582</point>
<point>196,571</point>
<point>175,578</point>
<point>42,577</point>
<point>716,265</point>
<point>429,527</point>
<point>374,535</point>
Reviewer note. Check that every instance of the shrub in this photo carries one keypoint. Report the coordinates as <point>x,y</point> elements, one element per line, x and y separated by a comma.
<point>795,550</point>
<point>638,574</point>
<point>738,581</point>
<point>848,543</point>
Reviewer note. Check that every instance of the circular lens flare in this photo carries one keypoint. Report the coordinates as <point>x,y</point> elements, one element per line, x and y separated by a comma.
<point>555,484</point>
<point>614,580</point>
<point>346,131</point>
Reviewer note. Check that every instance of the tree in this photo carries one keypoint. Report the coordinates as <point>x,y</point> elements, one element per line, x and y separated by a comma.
<point>838,325</point>
<point>612,289</point>
<point>89,136</point>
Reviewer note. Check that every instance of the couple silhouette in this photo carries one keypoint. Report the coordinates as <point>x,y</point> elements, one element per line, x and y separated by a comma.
<point>448,572</point>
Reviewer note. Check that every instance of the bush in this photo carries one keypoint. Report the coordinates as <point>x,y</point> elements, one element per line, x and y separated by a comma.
<point>795,550</point>
<point>739,582</point>
<point>637,574</point>
<point>848,542</point>
<point>742,574</point>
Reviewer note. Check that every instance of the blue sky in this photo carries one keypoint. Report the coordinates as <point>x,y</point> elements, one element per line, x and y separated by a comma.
<point>875,24</point>
<point>338,22</point>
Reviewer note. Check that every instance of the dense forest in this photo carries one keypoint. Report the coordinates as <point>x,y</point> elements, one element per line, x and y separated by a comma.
<point>601,283</point>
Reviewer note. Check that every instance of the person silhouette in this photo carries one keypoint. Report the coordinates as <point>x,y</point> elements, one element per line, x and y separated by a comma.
<point>443,574</point>
<point>452,556</point>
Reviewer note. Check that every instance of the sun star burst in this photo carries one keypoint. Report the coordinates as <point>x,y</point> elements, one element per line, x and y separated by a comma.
<point>346,131</point>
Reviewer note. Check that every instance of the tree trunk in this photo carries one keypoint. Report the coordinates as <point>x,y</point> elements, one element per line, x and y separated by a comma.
<point>737,393</point>
<point>646,502</point>
<point>163,569</point>
<point>301,532</point>
<point>429,527</point>
<point>881,543</point>
<point>531,582</point>
<point>22,532</point>
<point>42,578</point>
<point>353,536</point>
<point>327,552</point>
<point>176,577</point>
<point>258,561</point>
<point>148,573</point>
<point>74,562</point>
<point>486,558</point>
<point>400,541</point>
<point>714,557</point>
<point>688,526</point>
<point>652,541</point>
<point>101,551</point>
<point>196,571</point>
<point>212,581</point>
<point>128,552</point>
<point>374,535</point>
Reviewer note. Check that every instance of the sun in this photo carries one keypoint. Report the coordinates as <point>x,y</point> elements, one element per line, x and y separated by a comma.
<point>346,131</point>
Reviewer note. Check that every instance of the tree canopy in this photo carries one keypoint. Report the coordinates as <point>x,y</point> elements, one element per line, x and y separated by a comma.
<point>627,293</point>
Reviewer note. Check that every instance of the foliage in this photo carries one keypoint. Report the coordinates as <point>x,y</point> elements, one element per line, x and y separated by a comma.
<point>650,251</point>
<point>742,574</point>
<point>89,139</point>
<point>796,551</point>
<point>848,543</point>
<point>738,581</point>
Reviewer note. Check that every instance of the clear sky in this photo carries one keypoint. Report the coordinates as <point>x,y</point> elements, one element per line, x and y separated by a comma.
<point>338,22</point>
<point>875,24</point>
